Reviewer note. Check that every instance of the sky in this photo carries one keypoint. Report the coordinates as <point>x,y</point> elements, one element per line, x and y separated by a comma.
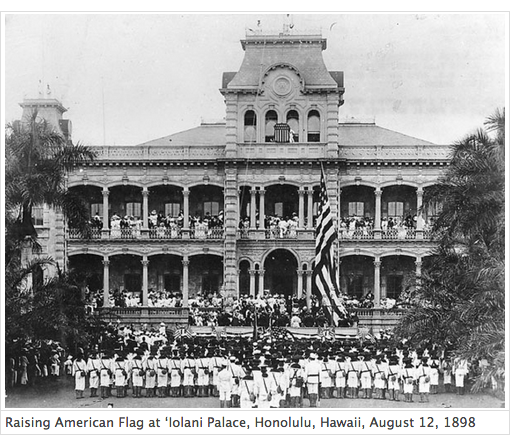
<point>130,78</point>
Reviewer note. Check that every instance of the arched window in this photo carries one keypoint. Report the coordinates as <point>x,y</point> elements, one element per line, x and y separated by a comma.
<point>314,126</point>
<point>250,122</point>
<point>293,123</point>
<point>271,118</point>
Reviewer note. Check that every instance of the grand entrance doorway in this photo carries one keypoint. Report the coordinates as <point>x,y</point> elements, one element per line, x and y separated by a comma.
<point>281,273</point>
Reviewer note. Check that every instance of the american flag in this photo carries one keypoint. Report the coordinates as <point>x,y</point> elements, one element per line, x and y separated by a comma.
<point>182,332</point>
<point>325,277</point>
<point>327,333</point>
<point>279,332</point>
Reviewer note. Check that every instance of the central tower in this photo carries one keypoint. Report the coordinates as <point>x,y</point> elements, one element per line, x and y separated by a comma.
<point>282,93</point>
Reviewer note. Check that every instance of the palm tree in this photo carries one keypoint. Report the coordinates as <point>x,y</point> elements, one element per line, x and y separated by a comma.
<point>461,302</point>
<point>37,159</point>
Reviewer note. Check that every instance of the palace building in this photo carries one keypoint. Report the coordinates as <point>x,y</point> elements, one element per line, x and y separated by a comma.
<point>230,207</point>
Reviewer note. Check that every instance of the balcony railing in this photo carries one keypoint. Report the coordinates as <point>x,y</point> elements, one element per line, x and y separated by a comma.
<point>160,233</point>
<point>128,234</point>
<point>359,234</point>
<point>91,233</point>
<point>207,233</point>
<point>280,233</point>
<point>399,233</point>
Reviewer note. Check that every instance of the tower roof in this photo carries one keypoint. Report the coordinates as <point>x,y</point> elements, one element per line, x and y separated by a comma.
<point>303,53</point>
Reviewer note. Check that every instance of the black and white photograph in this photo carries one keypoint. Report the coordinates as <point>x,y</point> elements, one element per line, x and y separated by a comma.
<point>252,211</point>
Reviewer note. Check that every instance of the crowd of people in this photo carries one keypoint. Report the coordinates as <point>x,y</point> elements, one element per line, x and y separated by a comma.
<point>391,227</point>
<point>269,372</point>
<point>269,310</point>
<point>162,225</point>
<point>276,226</point>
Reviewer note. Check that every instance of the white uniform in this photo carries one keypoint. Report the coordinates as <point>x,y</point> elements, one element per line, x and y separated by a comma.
<point>137,372</point>
<point>120,373</point>
<point>151,374</point>
<point>423,374</point>
<point>162,371</point>
<point>296,376</point>
<point>353,371</point>
<point>106,372</point>
<point>93,367</point>
<point>434,374</point>
<point>225,385</point>
<point>176,371</point>
<point>189,371</point>
<point>340,374</point>
<point>380,373</point>
<point>203,369</point>
<point>460,369</point>
<point>79,372</point>
<point>247,393</point>
<point>266,388</point>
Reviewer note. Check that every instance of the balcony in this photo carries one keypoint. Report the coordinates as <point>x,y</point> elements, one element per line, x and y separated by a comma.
<point>153,234</point>
<point>144,315</point>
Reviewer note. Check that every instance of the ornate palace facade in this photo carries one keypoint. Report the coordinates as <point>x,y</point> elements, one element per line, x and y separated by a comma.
<point>258,174</point>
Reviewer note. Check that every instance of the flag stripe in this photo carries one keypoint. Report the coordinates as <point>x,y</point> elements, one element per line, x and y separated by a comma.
<point>325,277</point>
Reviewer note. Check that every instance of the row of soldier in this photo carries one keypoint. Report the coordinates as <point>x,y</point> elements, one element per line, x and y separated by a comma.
<point>267,380</point>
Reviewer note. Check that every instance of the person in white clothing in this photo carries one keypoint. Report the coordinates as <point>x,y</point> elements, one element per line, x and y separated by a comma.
<point>313,378</point>
<point>224,386</point>
<point>79,372</point>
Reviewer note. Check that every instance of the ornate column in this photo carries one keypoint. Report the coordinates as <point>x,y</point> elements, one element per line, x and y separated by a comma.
<point>106,287</point>
<point>252,283</point>
<point>300,283</point>
<point>377,282</point>
<point>308,289</point>
<point>145,212</point>
<point>419,232</point>
<point>185,282</point>
<point>262,209</point>
<point>301,212</point>
<point>144,297</point>
<point>377,214</point>
<point>309,219</point>
<point>261,282</point>
<point>106,226</point>
<point>252,219</point>
<point>145,194</point>
<point>185,230</point>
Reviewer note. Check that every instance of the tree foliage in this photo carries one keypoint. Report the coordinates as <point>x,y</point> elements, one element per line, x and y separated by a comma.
<point>460,304</point>
<point>37,159</point>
